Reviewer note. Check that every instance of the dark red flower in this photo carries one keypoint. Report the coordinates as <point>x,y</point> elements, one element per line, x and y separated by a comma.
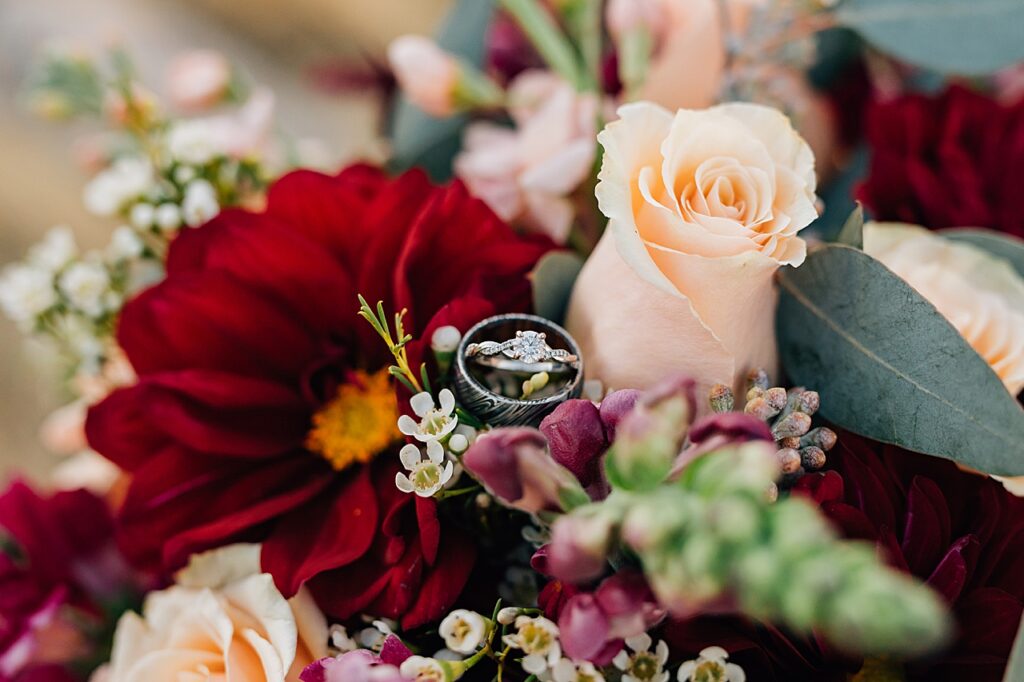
<point>953,160</point>
<point>58,564</point>
<point>261,406</point>
<point>961,533</point>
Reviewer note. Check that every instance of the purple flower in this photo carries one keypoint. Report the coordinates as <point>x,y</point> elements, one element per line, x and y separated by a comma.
<point>516,466</point>
<point>593,626</point>
<point>361,665</point>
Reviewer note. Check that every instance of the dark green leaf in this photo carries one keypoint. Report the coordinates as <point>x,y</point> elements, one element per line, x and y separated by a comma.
<point>968,37</point>
<point>553,279</point>
<point>996,243</point>
<point>890,367</point>
<point>419,139</point>
<point>852,233</point>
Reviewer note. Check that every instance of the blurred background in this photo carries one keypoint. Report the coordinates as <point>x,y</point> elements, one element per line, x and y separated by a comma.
<point>277,43</point>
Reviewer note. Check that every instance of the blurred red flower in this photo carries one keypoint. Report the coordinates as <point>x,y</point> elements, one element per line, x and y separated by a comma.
<point>263,409</point>
<point>962,533</point>
<point>952,160</point>
<point>58,567</point>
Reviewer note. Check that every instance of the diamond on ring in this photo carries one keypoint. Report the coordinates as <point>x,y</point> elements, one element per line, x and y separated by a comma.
<point>528,346</point>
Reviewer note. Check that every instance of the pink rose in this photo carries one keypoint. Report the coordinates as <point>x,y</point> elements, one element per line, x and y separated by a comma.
<point>526,173</point>
<point>703,208</point>
<point>688,66</point>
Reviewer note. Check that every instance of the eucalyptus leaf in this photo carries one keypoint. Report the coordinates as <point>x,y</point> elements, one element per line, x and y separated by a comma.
<point>1015,666</point>
<point>553,279</point>
<point>1002,245</point>
<point>852,233</point>
<point>419,139</point>
<point>967,37</point>
<point>890,367</point>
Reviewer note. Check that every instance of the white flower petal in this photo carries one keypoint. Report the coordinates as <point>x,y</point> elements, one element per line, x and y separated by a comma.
<point>448,471</point>
<point>410,456</point>
<point>685,670</point>
<point>662,652</point>
<point>435,452</point>
<point>714,653</point>
<point>621,660</point>
<point>408,425</point>
<point>447,401</point>
<point>403,483</point>
<point>641,642</point>
<point>735,673</point>
<point>421,403</point>
<point>534,664</point>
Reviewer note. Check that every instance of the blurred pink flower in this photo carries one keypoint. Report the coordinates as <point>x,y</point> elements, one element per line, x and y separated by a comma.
<point>426,74</point>
<point>198,79</point>
<point>527,173</point>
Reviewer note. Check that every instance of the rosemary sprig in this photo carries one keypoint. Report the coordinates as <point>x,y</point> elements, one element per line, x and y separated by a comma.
<point>400,370</point>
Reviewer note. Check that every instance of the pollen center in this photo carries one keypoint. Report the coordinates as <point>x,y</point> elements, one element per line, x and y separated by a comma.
<point>358,423</point>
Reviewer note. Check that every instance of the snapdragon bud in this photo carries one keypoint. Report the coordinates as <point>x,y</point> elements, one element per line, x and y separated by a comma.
<point>580,543</point>
<point>649,438</point>
<point>515,465</point>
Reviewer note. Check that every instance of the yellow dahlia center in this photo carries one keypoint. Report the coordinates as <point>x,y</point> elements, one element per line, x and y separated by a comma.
<point>358,423</point>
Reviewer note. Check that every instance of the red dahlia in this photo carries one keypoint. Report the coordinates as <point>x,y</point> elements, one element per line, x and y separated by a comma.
<point>953,160</point>
<point>263,410</point>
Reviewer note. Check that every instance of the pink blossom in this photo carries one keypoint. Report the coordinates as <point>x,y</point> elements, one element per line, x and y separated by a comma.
<point>361,665</point>
<point>427,74</point>
<point>527,173</point>
<point>198,79</point>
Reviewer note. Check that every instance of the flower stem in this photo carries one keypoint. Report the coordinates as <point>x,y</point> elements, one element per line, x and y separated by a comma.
<point>547,37</point>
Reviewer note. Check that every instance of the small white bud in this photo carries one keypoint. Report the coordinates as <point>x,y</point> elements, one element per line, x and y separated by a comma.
<point>85,285</point>
<point>463,631</point>
<point>124,244</point>
<point>168,217</point>
<point>26,292</point>
<point>200,203</point>
<point>142,215</point>
<point>507,615</point>
<point>445,339</point>
<point>56,250</point>
<point>458,444</point>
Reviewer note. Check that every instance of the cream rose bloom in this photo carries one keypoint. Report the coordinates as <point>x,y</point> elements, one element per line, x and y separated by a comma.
<point>703,208</point>
<point>981,295</point>
<point>223,621</point>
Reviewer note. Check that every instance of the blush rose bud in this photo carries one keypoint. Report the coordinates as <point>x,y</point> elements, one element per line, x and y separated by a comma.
<point>437,81</point>
<point>514,464</point>
<point>650,437</point>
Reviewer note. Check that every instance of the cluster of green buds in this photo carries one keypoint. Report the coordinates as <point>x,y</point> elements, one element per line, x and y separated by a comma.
<point>712,538</point>
<point>788,413</point>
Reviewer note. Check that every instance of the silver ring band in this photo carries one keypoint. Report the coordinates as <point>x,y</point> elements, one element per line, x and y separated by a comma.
<point>520,367</point>
<point>500,410</point>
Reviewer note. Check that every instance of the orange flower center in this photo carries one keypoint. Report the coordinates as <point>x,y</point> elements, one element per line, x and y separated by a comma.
<point>358,423</point>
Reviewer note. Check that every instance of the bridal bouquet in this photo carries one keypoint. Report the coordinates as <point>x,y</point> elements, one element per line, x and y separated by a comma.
<point>677,339</point>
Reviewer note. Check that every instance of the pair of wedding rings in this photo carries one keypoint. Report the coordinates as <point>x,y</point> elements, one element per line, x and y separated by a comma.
<point>532,346</point>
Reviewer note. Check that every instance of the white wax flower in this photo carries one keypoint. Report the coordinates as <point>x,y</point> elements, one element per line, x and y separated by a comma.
<point>85,285</point>
<point>128,178</point>
<point>463,631</point>
<point>26,292</point>
<point>200,203</point>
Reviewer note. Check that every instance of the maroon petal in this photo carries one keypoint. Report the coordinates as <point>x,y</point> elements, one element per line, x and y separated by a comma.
<point>577,439</point>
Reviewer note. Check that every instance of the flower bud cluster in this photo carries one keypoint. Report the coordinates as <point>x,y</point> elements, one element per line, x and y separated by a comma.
<point>712,536</point>
<point>788,413</point>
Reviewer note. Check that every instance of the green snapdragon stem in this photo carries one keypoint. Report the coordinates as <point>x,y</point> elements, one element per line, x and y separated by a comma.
<point>584,18</point>
<point>546,36</point>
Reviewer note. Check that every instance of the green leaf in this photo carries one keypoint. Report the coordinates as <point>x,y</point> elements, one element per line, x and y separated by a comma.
<point>890,367</point>
<point>419,139</point>
<point>998,244</point>
<point>967,37</point>
<point>852,233</point>
<point>553,279</point>
<point>1015,666</point>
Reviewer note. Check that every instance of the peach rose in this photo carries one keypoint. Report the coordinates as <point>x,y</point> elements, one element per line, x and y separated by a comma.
<point>703,208</point>
<point>525,174</point>
<point>981,295</point>
<point>222,620</point>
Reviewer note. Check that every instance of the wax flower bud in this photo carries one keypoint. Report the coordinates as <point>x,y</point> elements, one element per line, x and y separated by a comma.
<point>436,81</point>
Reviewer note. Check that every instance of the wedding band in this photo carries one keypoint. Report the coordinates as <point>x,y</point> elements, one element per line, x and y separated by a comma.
<point>478,352</point>
<point>519,367</point>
